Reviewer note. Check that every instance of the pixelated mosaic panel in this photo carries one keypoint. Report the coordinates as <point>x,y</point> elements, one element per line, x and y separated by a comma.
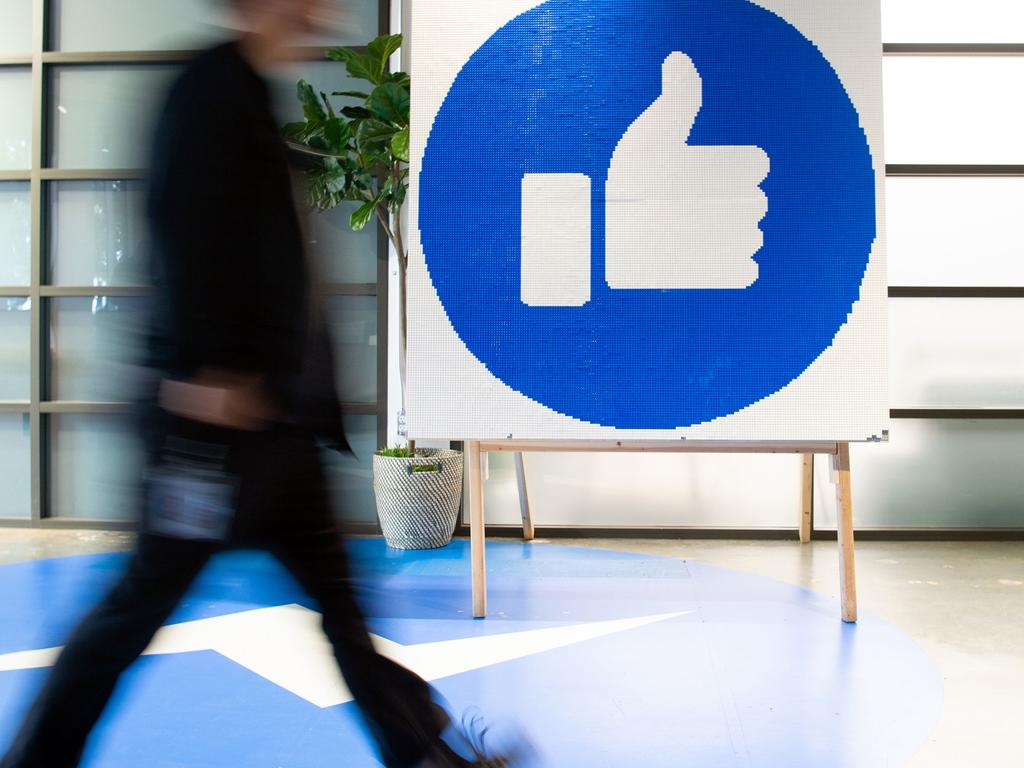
<point>644,219</point>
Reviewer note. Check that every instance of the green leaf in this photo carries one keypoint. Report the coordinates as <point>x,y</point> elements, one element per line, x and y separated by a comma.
<point>311,106</point>
<point>356,113</point>
<point>380,51</point>
<point>373,134</point>
<point>336,183</point>
<point>359,66</point>
<point>362,215</point>
<point>322,189</point>
<point>336,134</point>
<point>327,103</point>
<point>390,103</point>
<point>295,131</point>
<point>401,78</point>
<point>400,145</point>
<point>352,94</point>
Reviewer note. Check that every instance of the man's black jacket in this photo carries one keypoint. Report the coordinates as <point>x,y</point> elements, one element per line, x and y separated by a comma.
<point>232,284</point>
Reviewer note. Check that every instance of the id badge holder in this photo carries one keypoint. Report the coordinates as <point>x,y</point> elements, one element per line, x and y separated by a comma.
<point>183,503</point>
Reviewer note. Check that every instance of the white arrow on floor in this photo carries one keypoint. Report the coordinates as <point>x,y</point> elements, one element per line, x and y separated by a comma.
<point>286,646</point>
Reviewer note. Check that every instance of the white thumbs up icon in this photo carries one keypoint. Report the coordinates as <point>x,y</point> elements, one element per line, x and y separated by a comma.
<point>677,216</point>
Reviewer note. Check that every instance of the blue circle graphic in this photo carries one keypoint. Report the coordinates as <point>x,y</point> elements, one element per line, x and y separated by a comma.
<point>732,669</point>
<point>552,92</point>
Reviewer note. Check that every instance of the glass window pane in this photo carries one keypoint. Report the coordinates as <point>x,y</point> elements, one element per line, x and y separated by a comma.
<point>97,233</point>
<point>955,231</point>
<point>956,353</point>
<point>356,24</point>
<point>135,25</point>
<point>324,76</point>
<point>95,345</point>
<point>16,28</point>
<point>102,116</point>
<point>950,21</point>
<point>95,466</point>
<point>344,256</point>
<point>350,477</point>
<point>15,338</point>
<point>132,25</point>
<point>954,109</point>
<point>15,233</point>
<point>353,321</point>
<point>15,118</point>
<point>668,490</point>
<point>941,473</point>
<point>15,466</point>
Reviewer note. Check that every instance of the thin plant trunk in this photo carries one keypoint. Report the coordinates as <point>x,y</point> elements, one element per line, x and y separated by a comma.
<point>393,228</point>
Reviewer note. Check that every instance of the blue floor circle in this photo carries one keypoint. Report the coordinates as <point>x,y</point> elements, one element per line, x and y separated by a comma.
<point>604,658</point>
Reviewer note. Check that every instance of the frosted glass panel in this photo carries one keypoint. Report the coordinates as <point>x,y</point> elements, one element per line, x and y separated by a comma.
<point>137,25</point>
<point>15,233</point>
<point>345,256</point>
<point>353,322</point>
<point>350,23</point>
<point>97,233</point>
<point>951,21</point>
<point>955,231</point>
<point>350,477</point>
<point>131,25</point>
<point>15,338</point>
<point>15,466</point>
<point>95,464</point>
<point>16,27</point>
<point>954,109</point>
<point>15,118</point>
<point>324,76</point>
<point>933,474</point>
<point>956,353</point>
<point>95,345</point>
<point>103,116</point>
<point>636,490</point>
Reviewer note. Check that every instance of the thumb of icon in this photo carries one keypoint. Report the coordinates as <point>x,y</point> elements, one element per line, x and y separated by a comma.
<point>681,96</point>
<point>694,209</point>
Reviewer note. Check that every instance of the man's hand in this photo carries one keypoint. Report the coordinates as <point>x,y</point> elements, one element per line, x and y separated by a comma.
<point>223,398</point>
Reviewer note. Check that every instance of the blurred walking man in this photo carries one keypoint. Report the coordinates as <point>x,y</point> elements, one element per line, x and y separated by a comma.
<point>245,389</point>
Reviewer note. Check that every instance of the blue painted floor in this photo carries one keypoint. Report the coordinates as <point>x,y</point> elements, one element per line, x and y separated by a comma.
<point>751,672</point>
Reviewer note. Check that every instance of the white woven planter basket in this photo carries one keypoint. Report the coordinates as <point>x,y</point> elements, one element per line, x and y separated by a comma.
<point>418,510</point>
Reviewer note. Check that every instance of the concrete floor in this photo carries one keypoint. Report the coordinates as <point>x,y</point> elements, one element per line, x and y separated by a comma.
<point>963,603</point>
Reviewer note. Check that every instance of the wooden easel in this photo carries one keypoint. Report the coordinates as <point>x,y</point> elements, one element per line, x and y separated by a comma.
<point>839,453</point>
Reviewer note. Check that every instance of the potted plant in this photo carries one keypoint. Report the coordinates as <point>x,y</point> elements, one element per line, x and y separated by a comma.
<point>360,152</point>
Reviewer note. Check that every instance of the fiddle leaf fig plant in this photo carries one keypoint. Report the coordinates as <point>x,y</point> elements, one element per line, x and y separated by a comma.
<point>360,152</point>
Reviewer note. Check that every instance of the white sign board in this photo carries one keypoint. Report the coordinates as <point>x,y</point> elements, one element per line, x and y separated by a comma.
<point>647,220</point>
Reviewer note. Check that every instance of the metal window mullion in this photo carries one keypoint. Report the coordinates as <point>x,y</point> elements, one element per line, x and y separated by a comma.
<point>953,170</point>
<point>92,58</point>
<point>92,174</point>
<point>955,292</point>
<point>950,414</point>
<point>953,49</point>
<point>37,435</point>
<point>351,289</point>
<point>85,291</point>
<point>383,283</point>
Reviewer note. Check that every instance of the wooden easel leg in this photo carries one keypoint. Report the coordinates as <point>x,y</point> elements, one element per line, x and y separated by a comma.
<point>807,499</point>
<point>524,498</point>
<point>477,532</point>
<point>844,516</point>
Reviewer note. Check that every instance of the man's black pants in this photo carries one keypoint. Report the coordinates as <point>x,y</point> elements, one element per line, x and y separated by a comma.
<point>283,507</point>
